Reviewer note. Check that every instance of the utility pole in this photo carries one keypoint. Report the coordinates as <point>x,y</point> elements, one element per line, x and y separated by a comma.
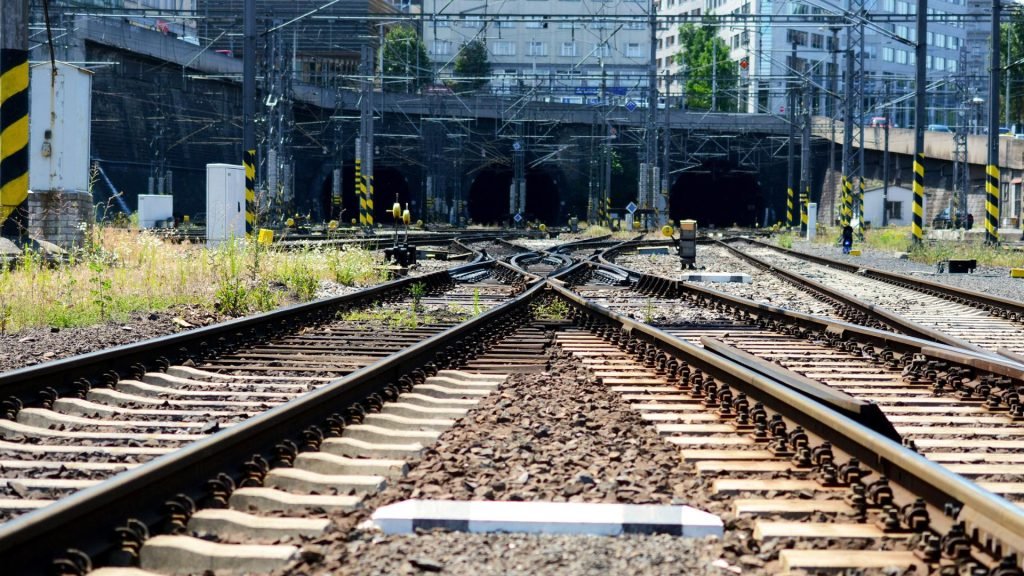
<point>364,144</point>
<point>961,167</point>
<point>791,160</point>
<point>249,111</point>
<point>992,170</point>
<point>885,159</point>
<point>650,175</point>
<point>805,158</point>
<point>846,210</point>
<point>14,112</point>
<point>834,88</point>
<point>921,53</point>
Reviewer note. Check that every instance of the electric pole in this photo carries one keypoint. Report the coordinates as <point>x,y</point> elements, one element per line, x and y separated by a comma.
<point>921,53</point>
<point>992,170</point>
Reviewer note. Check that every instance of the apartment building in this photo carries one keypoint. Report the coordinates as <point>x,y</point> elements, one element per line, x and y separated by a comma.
<point>821,44</point>
<point>560,50</point>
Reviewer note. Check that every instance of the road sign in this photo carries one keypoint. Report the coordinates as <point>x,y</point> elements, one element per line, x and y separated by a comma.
<point>631,207</point>
<point>631,105</point>
<point>518,217</point>
<point>517,146</point>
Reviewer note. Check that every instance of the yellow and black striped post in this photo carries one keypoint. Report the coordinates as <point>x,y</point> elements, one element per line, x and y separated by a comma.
<point>917,220</point>
<point>250,192</point>
<point>992,204</point>
<point>860,201</point>
<point>13,140</point>
<point>368,198</point>
<point>790,216</point>
<point>804,198</point>
<point>606,212</point>
<point>846,208</point>
<point>359,192</point>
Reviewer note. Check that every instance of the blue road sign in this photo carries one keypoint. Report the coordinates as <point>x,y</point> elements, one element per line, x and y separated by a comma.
<point>518,217</point>
<point>631,105</point>
<point>517,146</point>
<point>631,207</point>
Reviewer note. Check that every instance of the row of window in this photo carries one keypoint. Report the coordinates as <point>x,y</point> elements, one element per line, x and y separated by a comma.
<point>540,48</point>
<point>899,56</point>
<point>537,22</point>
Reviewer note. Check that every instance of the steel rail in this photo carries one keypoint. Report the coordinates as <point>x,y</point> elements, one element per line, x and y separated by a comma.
<point>900,343</point>
<point>85,520</point>
<point>962,295</point>
<point>996,524</point>
<point>110,364</point>
<point>883,314</point>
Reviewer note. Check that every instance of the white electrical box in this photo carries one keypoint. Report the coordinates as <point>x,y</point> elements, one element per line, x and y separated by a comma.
<point>60,115</point>
<point>155,210</point>
<point>225,203</point>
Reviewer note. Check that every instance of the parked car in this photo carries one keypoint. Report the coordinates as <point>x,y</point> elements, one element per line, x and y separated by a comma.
<point>938,128</point>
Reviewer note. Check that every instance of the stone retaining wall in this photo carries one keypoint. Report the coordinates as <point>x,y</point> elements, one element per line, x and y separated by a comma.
<point>58,216</point>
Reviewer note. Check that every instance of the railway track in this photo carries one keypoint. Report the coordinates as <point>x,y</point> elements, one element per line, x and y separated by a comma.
<point>69,425</point>
<point>958,317</point>
<point>812,485</point>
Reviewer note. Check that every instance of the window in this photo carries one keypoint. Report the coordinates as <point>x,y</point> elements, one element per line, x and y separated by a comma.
<point>442,23</point>
<point>633,50</point>
<point>894,210</point>
<point>471,22</point>
<point>534,24</point>
<point>602,49</point>
<point>928,61</point>
<point>796,36</point>
<point>504,24</point>
<point>568,49</point>
<point>537,49</point>
<point>889,5</point>
<point>503,48</point>
<point>634,26</point>
<point>817,41</point>
<point>442,47</point>
<point>887,54</point>
<point>951,65</point>
<point>901,56</point>
<point>940,63</point>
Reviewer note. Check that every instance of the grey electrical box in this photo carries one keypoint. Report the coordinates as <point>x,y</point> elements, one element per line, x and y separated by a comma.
<point>688,242</point>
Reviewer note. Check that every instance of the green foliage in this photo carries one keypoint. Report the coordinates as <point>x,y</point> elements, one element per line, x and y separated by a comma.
<point>417,290</point>
<point>785,240</point>
<point>477,308</point>
<point>351,266</point>
<point>100,289</point>
<point>1012,38</point>
<point>553,309</point>
<point>407,319</point>
<point>472,69</point>
<point>235,295</point>
<point>406,64</point>
<point>705,58</point>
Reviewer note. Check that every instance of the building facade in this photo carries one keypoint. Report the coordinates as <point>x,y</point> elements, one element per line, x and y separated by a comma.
<point>557,50</point>
<point>807,45</point>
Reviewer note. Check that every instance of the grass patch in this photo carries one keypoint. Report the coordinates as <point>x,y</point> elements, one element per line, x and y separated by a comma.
<point>553,309</point>
<point>897,239</point>
<point>120,271</point>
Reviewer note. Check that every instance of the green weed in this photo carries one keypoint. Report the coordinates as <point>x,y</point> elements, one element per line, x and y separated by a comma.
<point>553,309</point>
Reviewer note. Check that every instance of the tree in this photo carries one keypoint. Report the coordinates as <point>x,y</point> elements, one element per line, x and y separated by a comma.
<point>472,70</point>
<point>705,59</point>
<point>1012,36</point>
<point>406,64</point>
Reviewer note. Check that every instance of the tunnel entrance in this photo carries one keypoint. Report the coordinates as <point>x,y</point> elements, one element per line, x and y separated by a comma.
<point>716,194</point>
<point>489,197</point>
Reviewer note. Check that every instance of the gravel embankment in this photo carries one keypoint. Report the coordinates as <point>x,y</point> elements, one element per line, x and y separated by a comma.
<point>555,436</point>
<point>992,280</point>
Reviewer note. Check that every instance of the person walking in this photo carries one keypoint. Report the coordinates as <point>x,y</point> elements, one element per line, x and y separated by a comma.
<point>847,238</point>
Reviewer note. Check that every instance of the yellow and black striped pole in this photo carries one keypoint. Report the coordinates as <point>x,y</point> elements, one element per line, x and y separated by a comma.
<point>805,197</point>
<point>250,192</point>
<point>991,204</point>
<point>368,199</point>
<point>917,218</point>
<point>790,216</point>
<point>13,139</point>
<point>359,189</point>
<point>846,210</point>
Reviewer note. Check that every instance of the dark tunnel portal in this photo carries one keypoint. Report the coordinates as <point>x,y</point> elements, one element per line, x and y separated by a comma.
<point>715,194</point>
<point>489,201</point>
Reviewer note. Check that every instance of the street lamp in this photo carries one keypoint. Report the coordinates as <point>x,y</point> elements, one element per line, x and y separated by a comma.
<point>977,103</point>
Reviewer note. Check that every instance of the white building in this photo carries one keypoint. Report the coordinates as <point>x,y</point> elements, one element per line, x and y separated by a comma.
<point>767,46</point>
<point>563,50</point>
<point>899,203</point>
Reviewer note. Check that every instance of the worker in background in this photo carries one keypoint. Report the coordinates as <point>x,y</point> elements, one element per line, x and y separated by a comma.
<point>847,238</point>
